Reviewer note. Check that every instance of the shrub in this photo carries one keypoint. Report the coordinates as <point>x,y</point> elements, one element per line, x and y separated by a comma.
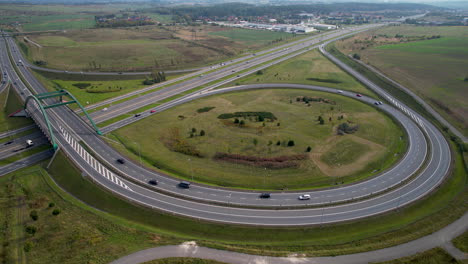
<point>202,133</point>
<point>33,214</point>
<point>51,205</point>
<point>346,128</point>
<point>56,212</point>
<point>308,149</point>
<point>205,109</point>
<point>356,56</point>
<point>81,85</point>
<point>31,230</point>
<point>290,143</point>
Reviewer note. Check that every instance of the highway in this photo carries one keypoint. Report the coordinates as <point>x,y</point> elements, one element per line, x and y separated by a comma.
<point>18,145</point>
<point>424,181</point>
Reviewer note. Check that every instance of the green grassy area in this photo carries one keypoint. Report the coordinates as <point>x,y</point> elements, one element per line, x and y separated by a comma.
<point>59,22</point>
<point>298,122</point>
<point>344,152</point>
<point>434,69</point>
<point>251,36</point>
<point>461,242</point>
<point>310,68</point>
<point>8,107</point>
<point>433,256</point>
<point>76,235</point>
<point>419,219</point>
<point>183,261</point>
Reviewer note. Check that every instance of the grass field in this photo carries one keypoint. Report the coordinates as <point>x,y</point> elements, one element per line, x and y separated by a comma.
<point>298,122</point>
<point>252,37</point>
<point>419,219</point>
<point>435,69</point>
<point>13,104</point>
<point>141,48</point>
<point>461,242</point>
<point>76,235</point>
<point>310,68</point>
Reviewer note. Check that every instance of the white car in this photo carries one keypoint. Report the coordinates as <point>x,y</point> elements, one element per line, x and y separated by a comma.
<point>304,197</point>
<point>340,91</point>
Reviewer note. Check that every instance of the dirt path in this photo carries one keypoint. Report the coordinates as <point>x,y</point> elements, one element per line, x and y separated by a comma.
<point>32,42</point>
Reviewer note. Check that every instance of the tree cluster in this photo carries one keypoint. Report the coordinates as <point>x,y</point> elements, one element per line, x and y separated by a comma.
<point>345,128</point>
<point>261,116</point>
<point>279,162</point>
<point>156,77</point>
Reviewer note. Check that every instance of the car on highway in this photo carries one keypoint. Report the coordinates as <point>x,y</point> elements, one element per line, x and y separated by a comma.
<point>153,182</point>
<point>137,115</point>
<point>264,195</point>
<point>380,102</point>
<point>339,91</point>
<point>121,161</point>
<point>184,184</point>
<point>153,111</point>
<point>304,197</point>
<point>359,95</point>
<point>29,143</point>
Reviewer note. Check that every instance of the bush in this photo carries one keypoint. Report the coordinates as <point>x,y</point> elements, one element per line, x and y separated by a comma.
<point>291,143</point>
<point>356,56</point>
<point>31,230</point>
<point>346,128</point>
<point>51,205</point>
<point>205,109</point>
<point>81,85</point>
<point>202,133</point>
<point>56,212</point>
<point>33,214</point>
<point>308,149</point>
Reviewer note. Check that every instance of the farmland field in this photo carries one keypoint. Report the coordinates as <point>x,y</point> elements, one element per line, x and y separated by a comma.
<point>434,67</point>
<point>176,144</point>
<point>140,48</point>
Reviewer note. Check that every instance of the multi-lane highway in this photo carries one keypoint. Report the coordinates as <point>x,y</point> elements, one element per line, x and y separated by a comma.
<point>130,180</point>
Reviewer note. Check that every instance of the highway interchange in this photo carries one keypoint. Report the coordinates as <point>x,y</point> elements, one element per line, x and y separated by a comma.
<point>406,182</point>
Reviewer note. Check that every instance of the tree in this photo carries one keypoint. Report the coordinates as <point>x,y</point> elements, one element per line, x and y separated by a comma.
<point>194,130</point>
<point>31,230</point>
<point>202,133</point>
<point>322,121</point>
<point>308,149</point>
<point>291,143</point>
<point>259,72</point>
<point>51,205</point>
<point>236,121</point>
<point>278,143</point>
<point>33,214</point>
<point>56,212</point>
<point>261,118</point>
<point>242,123</point>
<point>356,56</point>
<point>278,124</point>
<point>255,141</point>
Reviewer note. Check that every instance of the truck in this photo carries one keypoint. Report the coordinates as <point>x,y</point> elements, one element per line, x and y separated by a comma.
<point>29,143</point>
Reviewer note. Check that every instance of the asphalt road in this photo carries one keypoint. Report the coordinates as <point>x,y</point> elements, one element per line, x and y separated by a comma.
<point>25,162</point>
<point>73,130</point>
<point>18,145</point>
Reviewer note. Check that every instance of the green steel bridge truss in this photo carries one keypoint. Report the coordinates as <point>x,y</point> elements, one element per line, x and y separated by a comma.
<point>60,93</point>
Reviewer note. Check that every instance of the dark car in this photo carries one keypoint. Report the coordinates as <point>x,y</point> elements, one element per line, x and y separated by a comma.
<point>137,115</point>
<point>121,161</point>
<point>184,184</point>
<point>359,95</point>
<point>265,195</point>
<point>153,182</point>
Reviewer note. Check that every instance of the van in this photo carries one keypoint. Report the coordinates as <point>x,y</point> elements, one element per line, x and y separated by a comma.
<point>184,184</point>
